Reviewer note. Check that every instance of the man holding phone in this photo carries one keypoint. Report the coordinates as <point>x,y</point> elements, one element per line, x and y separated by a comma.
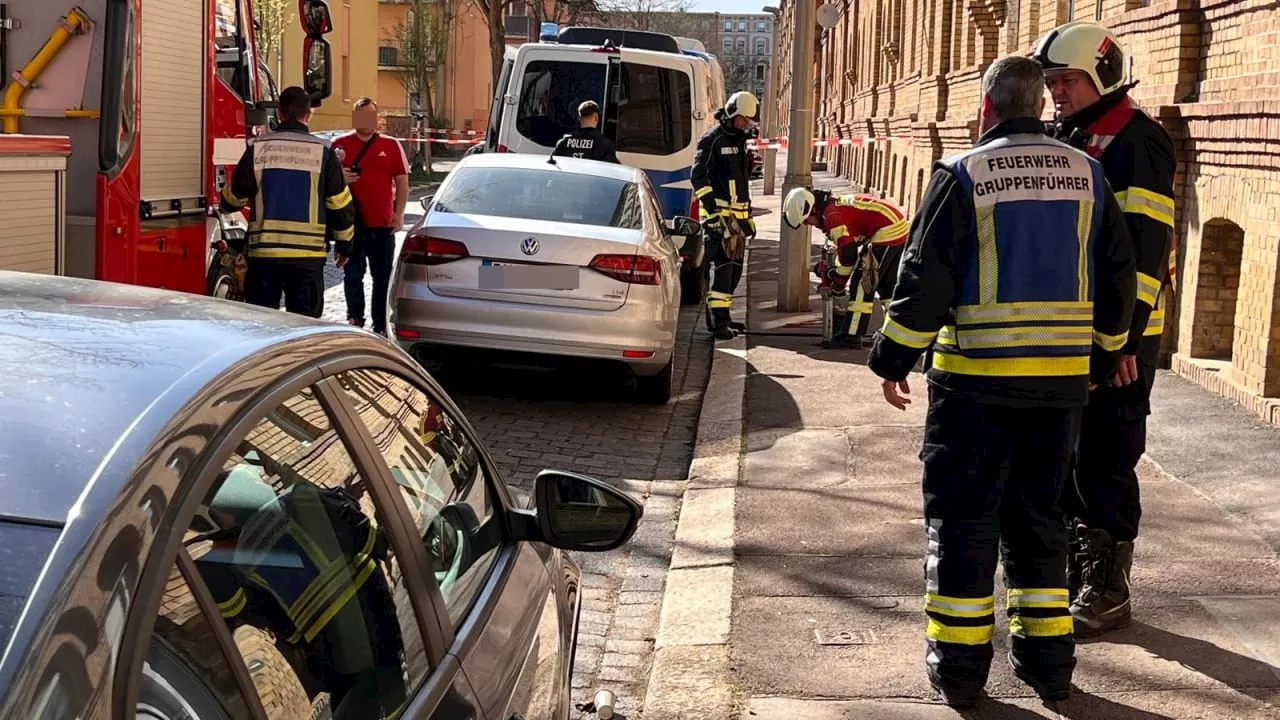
<point>377,172</point>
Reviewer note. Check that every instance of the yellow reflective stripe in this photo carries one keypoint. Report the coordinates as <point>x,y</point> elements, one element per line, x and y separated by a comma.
<point>1155,323</point>
<point>988,258</point>
<point>876,206</point>
<point>702,191</point>
<point>979,635</point>
<point>1038,597</point>
<point>232,606</point>
<point>1041,626</point>
<point>260,252</point>
<point>889,233</point>
<point>1141,201</point>
<point>339,201</point>
<point>1148,289</point>
<point>335,582</point>
<point>836,233</point>
<point>345,234</point>
<point>959,607</point>
<point>1024,336</point>
<point>288,226</point>
<point>1024,312</point>
<point>718,299</point>
<point>861,307</point>
<point>905,336</point>
<point>231,198</point>
<point>313,201</point>
<point>1013,367</point>
<point>315,627</point>
<point>1110,343</point>
<point>733,190</point>
<point>1084,225</point>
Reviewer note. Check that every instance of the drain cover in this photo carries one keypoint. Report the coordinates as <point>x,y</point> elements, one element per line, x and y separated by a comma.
<point>838,636</point>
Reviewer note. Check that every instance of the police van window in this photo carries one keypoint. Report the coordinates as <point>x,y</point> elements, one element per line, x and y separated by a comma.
<point>654,110</point>
<point>550,92</point>
<point>535,194</point>
<point>440,477</point>
<point>293,550</point>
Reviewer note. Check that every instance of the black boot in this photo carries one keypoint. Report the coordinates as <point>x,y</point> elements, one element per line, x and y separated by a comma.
<point>1050,688</point>
<point>1075,560</point>
<point>720,326</point>
<point>840,338</point>
<point>738,327</point>
<point>1103,602</point>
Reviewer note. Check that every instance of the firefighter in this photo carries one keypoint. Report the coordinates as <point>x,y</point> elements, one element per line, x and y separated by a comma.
<point>294,182</point>
<point>1084,70</point>
<point>587,141</point>
<point>1019,273</point>
<point>853,223</point>
<point>720,178</point>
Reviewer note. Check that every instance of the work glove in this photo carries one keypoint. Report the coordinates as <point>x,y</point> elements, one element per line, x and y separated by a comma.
<point>748,227</point>
<point>714,224</point>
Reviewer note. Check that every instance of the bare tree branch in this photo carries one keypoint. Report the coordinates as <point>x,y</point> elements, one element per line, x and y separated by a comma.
<point>272,17</point>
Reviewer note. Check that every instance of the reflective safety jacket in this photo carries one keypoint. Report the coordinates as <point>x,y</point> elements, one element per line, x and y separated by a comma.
<point>1138,160</point>
<point>721,175</point>
<point>1019,273</point>
<point>849,219</point>
<point>292,182</point>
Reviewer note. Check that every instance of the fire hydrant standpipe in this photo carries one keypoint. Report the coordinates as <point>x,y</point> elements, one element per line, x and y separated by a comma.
<point>73,23</point>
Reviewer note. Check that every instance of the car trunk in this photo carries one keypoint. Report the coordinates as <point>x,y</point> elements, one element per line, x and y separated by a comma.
<point>529,261</point>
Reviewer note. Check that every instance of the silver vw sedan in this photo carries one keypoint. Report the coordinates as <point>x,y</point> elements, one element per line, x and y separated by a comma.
<point>568,258</point>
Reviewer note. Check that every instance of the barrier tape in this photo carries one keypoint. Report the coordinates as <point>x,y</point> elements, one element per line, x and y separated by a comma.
<point>781,143</point>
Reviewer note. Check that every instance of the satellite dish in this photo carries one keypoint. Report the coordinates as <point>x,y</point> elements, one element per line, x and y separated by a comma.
<point>828,16</point>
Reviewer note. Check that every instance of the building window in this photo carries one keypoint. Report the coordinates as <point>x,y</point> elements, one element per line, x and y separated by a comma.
<point>742,26</point>
<point>728,26</point>
<point>761,46</point>
<point>728,45</point>
<point>742,47</point>
<point>759,72</point>
<point>760,26</point>
<point>387,56</point>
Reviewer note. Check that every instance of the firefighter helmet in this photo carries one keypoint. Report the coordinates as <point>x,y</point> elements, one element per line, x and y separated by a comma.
<point>742,103</point>
<point>1088,47</point>
<point>797,206</point>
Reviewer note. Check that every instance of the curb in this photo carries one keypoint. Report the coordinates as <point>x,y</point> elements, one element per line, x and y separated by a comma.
<point>690,676</point>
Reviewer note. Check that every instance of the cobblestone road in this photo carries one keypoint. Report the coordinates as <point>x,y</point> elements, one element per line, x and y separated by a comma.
<point>568,420</point>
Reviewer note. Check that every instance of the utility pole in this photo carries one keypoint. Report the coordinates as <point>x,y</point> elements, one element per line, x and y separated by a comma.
<point>793,253</point>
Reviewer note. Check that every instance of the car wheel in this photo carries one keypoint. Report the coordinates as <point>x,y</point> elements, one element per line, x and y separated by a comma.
<point>693,285</point>
<point>656,389</point>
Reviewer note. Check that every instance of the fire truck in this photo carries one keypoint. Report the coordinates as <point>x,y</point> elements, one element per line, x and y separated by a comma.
<point>152,102</point>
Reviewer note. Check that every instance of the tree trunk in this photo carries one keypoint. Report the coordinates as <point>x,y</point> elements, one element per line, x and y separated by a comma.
<point>497,39</point>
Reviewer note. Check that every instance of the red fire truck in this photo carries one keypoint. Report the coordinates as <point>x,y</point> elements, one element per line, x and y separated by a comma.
<point>155,97</point>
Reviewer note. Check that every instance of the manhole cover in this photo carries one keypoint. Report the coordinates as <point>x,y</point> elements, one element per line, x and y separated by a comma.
<point>837,636</point>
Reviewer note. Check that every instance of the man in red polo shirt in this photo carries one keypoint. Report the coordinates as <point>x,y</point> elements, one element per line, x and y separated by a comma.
<point>378,175</point>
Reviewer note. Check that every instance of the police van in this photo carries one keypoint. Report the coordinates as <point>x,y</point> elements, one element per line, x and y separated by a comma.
<point>655,103</point>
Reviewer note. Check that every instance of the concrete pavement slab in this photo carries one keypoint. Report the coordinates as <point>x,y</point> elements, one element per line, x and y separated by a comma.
<point>831,457</point>
<point>696,607</point>
<point>877,520</point>
<point>690,683</point>
<point>1180,522</point>
<point>704,536</point>
<point>789,708</point>
<point>835,575</point>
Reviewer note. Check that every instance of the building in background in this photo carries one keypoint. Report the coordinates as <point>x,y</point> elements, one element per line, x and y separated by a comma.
<point>355,70</point>
<point>745,50</point>
<point>901,80</point>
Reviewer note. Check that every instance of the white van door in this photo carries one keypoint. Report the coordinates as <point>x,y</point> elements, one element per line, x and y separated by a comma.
<point>547,85</point>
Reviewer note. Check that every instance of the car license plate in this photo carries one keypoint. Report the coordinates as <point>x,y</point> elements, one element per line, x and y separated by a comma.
<point>516,276</point>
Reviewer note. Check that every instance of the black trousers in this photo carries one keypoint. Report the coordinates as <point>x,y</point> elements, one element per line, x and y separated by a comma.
<point>300,280</point>
<point>374,251</point>
<point>992,480</point>
<point>888,258</point>
<point>723,275</point>
<point>1113,438</point>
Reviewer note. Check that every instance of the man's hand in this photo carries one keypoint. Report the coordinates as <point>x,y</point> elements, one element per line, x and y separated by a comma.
<point>1126,371</point>
<point>397,222</point>
<point>341,261</point>
<point>891,395</point>
<point>349,176</point>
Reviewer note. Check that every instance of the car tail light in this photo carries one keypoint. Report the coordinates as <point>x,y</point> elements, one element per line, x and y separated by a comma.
<point>637,353</point>
<point>502,148</point>
<point>407,333</point>
<point>427,250</point>
<point>631,269</point>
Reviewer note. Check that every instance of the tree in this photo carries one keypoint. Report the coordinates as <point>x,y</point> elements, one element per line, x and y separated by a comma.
<point>665,16</point>
<point>271,18</point>
<point>494,10</point>
<point>421,44</point>
<point>561,12</point>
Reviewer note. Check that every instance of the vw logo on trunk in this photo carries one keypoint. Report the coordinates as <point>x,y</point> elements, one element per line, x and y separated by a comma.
<point>529,246</point>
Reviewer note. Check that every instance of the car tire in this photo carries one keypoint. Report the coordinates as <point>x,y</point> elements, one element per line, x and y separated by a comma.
<point>656,389</point>
<point>693,285</point>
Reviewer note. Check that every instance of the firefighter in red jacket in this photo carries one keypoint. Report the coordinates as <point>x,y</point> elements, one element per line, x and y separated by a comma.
<point>1084,67</point>
<point>853,222</point>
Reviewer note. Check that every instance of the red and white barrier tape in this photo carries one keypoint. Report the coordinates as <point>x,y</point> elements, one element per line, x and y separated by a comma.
<point>781,143</point>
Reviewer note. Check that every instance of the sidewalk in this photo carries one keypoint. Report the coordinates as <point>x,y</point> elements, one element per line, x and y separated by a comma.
<point>796,582</point>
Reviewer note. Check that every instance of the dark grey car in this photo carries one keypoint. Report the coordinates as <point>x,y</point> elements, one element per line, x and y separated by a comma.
<point>217,511</point>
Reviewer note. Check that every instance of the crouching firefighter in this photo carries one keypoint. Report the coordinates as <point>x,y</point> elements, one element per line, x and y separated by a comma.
<point>721,177</point>
<point>853,223</point>
<point>1084,68</point>
<point>1019,273</point>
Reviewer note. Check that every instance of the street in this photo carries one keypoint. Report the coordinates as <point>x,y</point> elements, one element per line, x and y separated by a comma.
<point>537,418</point>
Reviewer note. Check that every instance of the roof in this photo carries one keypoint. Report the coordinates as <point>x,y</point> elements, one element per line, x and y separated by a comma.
<point>81,361</point>
<point>563,164</point>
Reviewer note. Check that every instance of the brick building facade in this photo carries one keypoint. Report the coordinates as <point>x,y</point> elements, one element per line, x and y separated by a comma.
<point>901,81</point>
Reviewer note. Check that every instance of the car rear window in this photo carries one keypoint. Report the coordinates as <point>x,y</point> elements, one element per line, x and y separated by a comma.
<point>533,194</point>
<point>23,551</point>
<point>550,93</point>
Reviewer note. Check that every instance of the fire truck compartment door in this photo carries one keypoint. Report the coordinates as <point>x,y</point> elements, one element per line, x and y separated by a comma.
<point>171,126</point>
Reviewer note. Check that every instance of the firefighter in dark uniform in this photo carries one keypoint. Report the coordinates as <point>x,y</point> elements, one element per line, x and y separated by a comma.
<point>721,178</point>
<point>587,141</point>
<point>1019,273</point>
<point>859,225</point>
<point>1084,69</point>
<point>293,183</point>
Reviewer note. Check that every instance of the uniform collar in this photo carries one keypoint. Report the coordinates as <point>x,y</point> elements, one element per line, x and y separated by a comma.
<point>293,125</point>
<point>1107,116</point>
<point>1016,126</point>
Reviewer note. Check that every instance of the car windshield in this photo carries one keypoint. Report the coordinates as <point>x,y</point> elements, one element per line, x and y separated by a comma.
<point>23,551</point>
<point>534,194</point>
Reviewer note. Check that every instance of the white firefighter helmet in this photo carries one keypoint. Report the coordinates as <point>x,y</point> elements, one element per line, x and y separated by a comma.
<point>797,206</point>
<point>742,103</point>
<point>1085,46</point>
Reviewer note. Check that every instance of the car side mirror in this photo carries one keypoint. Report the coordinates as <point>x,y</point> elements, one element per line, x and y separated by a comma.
<point>685,226</point>
<point>576,512</point>
<point>425,202</point>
